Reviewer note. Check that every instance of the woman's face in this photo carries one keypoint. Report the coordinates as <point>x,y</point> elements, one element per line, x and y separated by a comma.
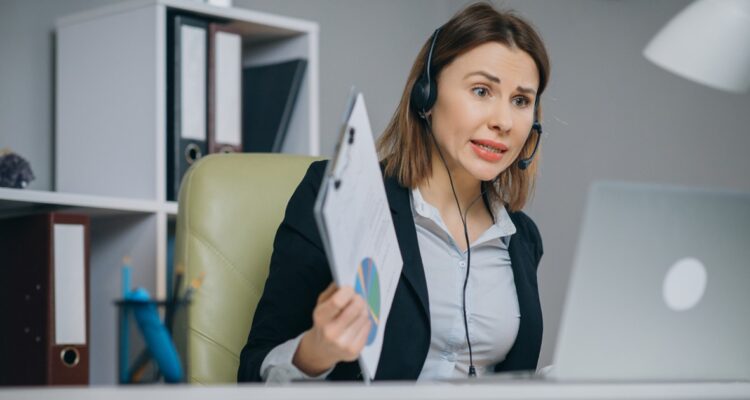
<point>485,109</point>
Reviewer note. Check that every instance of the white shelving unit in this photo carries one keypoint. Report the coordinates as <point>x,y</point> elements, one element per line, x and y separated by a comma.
<point>110,156</point>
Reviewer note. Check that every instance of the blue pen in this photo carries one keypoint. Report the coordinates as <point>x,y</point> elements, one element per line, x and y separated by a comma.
<point>156,336</point>
<point>125,276</point>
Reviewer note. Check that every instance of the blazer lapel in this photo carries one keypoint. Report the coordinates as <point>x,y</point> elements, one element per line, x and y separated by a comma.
<point>520,259</point>
<point>522,355</point>
<point>403,221</point>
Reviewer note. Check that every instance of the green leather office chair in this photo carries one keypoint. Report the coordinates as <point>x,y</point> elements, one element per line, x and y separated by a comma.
<point>230,206</point>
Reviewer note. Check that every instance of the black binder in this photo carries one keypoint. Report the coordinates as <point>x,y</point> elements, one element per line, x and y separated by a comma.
<point>269,94</point>
<point>44,299</point>
<point>187,119</point>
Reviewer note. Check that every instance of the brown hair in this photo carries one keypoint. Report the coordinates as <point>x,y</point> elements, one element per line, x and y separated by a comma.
<point>405,146</point>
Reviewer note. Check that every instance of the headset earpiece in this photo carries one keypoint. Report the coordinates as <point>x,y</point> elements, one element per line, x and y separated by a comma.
<point>423,96</point>
<point>424,91</point>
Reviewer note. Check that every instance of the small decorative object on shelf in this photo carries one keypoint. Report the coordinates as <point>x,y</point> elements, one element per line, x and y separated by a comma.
<point>15,171</point>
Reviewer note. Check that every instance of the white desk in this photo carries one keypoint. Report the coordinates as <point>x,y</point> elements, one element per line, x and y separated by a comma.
<point>393,391</point>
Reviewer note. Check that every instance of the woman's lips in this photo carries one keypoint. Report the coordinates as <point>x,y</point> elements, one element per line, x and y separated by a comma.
<point>488,150</point>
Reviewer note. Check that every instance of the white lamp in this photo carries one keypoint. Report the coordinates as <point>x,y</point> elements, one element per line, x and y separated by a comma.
<point>709,43</point>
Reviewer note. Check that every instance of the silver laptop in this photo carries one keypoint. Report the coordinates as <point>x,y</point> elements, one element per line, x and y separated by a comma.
<point>660,287</point>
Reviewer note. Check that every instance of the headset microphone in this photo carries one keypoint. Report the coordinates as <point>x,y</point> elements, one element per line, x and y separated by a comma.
<point>525,162</point>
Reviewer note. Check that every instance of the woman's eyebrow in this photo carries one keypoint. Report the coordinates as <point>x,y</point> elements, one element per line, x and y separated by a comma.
<point>496,80</point>
<point>526,90</point>
<point>491,77</point>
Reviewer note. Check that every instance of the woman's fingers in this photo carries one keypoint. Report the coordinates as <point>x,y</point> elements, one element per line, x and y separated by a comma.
<point>355,309</point>
<point>364,332</point>
<point>331,307</point>
<point>356,337</point>
<point>342,322</point>
<point>326,294</point>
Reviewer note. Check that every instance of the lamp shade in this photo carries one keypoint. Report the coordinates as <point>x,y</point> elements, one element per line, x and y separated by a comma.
<point>709,43</point>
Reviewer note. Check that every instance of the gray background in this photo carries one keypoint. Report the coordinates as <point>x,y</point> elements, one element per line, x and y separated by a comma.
<point>609,113</point>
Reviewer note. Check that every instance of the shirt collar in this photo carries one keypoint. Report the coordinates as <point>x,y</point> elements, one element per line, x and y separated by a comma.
<point>503,226</point>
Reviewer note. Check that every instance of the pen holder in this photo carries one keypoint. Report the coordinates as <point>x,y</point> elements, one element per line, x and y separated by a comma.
<point>146,351</point>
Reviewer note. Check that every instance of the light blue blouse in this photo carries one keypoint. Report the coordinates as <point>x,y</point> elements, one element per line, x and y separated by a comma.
<point>491,300</point>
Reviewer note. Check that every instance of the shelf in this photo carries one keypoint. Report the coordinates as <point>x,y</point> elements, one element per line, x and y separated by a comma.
<point>271,24</point>
<point>170,208</point>
<point>112,96</point>
<point>22,201</point>
<point>104,64</point>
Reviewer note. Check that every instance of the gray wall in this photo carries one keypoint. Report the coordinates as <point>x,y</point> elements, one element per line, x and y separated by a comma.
<point>608,113</point>
<point>26,79</point>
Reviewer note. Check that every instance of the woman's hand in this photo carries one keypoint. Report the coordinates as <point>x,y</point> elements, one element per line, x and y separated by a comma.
<point>340,328</point>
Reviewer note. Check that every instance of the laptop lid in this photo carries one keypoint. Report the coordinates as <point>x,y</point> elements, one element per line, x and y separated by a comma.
<point>660,287</point>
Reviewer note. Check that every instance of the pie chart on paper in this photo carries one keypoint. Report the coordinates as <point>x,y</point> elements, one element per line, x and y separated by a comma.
<point>367,284</point>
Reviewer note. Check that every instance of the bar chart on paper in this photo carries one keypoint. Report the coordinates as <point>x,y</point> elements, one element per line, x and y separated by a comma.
<point>368,286</point>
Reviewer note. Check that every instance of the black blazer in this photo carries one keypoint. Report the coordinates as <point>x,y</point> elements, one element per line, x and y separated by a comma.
<point>299,272</point>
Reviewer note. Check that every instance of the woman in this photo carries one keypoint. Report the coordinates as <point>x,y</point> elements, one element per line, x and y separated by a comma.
<point>457,167</point>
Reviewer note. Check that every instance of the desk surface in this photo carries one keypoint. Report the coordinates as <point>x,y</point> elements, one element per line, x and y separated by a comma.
<point>411,391</point>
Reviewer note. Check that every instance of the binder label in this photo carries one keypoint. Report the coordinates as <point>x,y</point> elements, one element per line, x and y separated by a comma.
<point>193,55</point>
<point>70,284</point>
<point>228,88</point>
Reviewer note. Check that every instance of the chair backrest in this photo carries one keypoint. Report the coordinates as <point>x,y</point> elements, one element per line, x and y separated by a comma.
<point>230,206</point>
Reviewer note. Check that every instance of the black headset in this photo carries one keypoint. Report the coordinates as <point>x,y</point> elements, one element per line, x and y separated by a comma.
<point>424,95</point>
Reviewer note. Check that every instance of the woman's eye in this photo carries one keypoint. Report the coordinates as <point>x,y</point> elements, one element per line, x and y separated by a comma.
<point>521,101</point>
<point>480,91</point>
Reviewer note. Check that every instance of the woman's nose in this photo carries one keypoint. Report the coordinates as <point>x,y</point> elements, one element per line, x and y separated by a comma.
<point>501,118</point>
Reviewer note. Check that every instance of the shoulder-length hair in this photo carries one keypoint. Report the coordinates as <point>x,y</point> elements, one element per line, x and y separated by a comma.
<point>405,146</point>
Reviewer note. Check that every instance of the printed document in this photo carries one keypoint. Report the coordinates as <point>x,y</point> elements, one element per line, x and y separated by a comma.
<point>356,227</point>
